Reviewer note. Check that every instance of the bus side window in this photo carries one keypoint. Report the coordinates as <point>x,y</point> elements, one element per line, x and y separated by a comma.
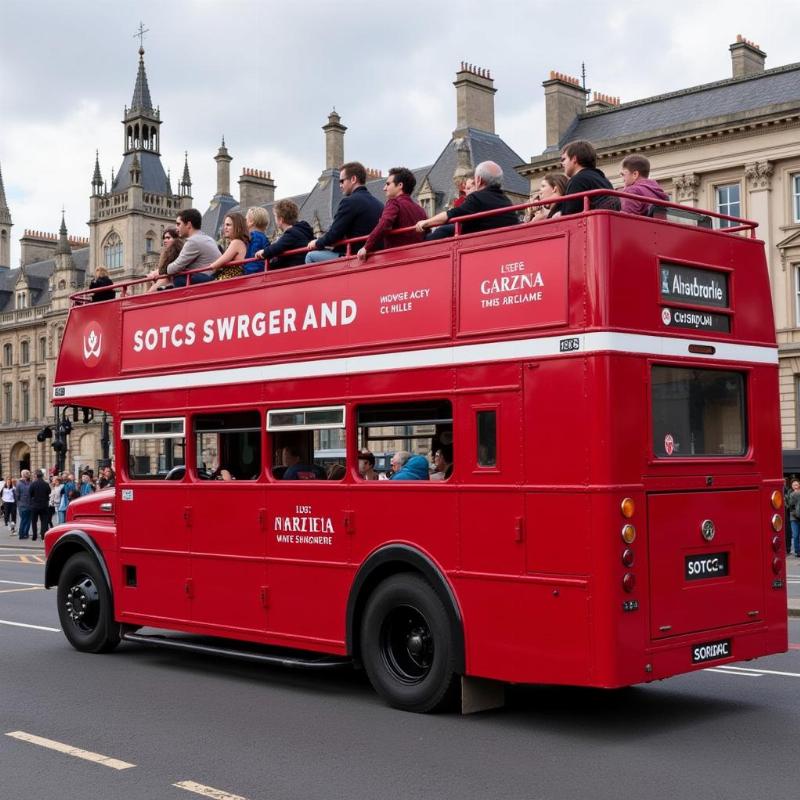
<point>228,446</point>
<point>301,439</point>
<point>486,428</point>
<point>155,449</point>
<point>413,429</point>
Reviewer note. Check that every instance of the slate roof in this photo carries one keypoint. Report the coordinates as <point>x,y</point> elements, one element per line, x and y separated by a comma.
<point>744,96</point>
<point>213,217</point>
<point>153,179</point>
<point>38,279</point>
<point>483,146</point>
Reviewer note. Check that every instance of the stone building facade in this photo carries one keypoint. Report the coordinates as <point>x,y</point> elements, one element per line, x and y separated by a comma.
<point>731,146</point>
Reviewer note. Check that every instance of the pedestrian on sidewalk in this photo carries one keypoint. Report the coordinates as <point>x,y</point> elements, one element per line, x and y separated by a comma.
<point>22,491</point>
<point>9,505</point>
<point>55,498</point>
<point>40,504</point>
<point>794,516</point>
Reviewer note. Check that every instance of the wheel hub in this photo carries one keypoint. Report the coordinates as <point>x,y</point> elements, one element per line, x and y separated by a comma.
<point>407,645</point>
<point>80,599</point>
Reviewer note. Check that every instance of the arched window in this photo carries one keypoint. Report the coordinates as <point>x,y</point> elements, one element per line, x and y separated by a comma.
<point>8,355</point>
<point>25,352</point>
<point>62,284</point>
<point>42,348</point>
<point>149,241</point>
<point>112,251</point>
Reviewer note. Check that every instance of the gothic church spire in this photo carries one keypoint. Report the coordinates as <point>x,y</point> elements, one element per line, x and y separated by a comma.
<point>141,91</point>
<point>5,213</point>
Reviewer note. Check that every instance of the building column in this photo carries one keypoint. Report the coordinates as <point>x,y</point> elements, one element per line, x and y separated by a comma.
<point>686,189</point>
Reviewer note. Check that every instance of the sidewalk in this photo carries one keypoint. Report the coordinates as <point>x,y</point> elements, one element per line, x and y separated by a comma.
<point>7,541</point>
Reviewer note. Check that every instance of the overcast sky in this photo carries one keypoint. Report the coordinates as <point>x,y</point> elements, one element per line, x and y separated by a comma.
<point>266,74</point>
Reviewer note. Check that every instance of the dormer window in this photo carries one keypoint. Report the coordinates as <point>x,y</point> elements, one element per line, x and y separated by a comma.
<point>22,299</point>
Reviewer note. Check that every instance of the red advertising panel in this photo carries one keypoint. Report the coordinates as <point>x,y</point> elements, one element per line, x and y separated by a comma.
<point>409,302</point>
<point>522,285</point>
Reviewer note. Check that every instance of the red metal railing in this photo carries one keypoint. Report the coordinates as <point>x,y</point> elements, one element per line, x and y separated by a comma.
<point>85,295</point>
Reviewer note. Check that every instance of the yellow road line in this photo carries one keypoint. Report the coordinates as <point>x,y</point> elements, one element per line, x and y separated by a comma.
<point>69,750</point>
<point>25,589</point>
<point>20,559</point>
<point>207,791</point>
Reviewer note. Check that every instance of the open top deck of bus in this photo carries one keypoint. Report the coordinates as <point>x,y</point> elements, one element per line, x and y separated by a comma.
<point>600,280</point>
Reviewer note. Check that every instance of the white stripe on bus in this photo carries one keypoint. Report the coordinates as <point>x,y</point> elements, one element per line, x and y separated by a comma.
<point>590,343</point>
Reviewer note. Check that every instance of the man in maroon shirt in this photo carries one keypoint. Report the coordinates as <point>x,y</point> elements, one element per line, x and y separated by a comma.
<point>400,211</point>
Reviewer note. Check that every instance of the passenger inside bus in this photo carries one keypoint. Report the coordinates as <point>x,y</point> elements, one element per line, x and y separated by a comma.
<point>442,463</point>
<point>414,469</point>
<point>336,472</point>
<point>366,466</point>
<point>297,467</point>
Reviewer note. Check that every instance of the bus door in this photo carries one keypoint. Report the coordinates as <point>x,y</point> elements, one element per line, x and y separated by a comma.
<point>308,534</point>
<point>225,501</point>
<point>491,508</point>
<point>151,525</point>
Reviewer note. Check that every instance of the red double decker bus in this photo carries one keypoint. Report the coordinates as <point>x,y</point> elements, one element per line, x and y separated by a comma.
<point>606,384</point>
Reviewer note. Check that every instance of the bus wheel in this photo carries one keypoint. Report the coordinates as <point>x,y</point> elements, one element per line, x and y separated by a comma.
<point>84,606</point>
<point>406,644</point>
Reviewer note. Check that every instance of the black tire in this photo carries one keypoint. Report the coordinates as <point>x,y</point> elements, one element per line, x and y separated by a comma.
<point>407,646</point>
<point>84,606</point>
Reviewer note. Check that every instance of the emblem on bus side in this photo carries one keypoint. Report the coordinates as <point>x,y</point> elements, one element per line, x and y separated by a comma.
<point>707,529</point>
<point>92,343</point>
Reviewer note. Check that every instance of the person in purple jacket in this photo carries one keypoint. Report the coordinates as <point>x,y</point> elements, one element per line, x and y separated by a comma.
<point>635,174</point>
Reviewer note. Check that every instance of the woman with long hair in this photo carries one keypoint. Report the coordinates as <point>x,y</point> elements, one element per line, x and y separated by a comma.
<point>9,505</point>
<point>171,246</point>
<point>554,184</point>
<point>234,230</point>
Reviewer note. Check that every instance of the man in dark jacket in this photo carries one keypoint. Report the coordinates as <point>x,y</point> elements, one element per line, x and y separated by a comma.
<point>579,161</point>
<point>23,494</point>
<point>488,196</point>
<point>40,504</point>
<point>358,213</point>
<point>295,235</point>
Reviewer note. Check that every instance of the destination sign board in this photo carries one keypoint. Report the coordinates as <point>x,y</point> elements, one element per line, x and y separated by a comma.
<point>698,287</point>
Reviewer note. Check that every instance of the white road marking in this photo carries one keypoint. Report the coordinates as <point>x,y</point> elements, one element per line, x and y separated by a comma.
<point>207,791</point>
<point>763,671</point>
<point>25,625</point>
<point>733,672</point>
<point>69,750</point>
<point>21,583</point>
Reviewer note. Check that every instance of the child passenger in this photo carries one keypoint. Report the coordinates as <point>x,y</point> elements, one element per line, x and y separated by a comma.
<point>257,221</point>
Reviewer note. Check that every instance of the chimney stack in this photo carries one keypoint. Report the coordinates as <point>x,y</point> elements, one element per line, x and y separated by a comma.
<point>256,188</point>
<point>223,160</point>
<point>474,100</point>
<point>746,58</point>
<point>334,141</point>
<point>600,101</point>
<point>564,99</point>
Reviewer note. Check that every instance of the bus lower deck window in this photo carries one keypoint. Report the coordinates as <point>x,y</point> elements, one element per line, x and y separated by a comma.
<point>228,446</point>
